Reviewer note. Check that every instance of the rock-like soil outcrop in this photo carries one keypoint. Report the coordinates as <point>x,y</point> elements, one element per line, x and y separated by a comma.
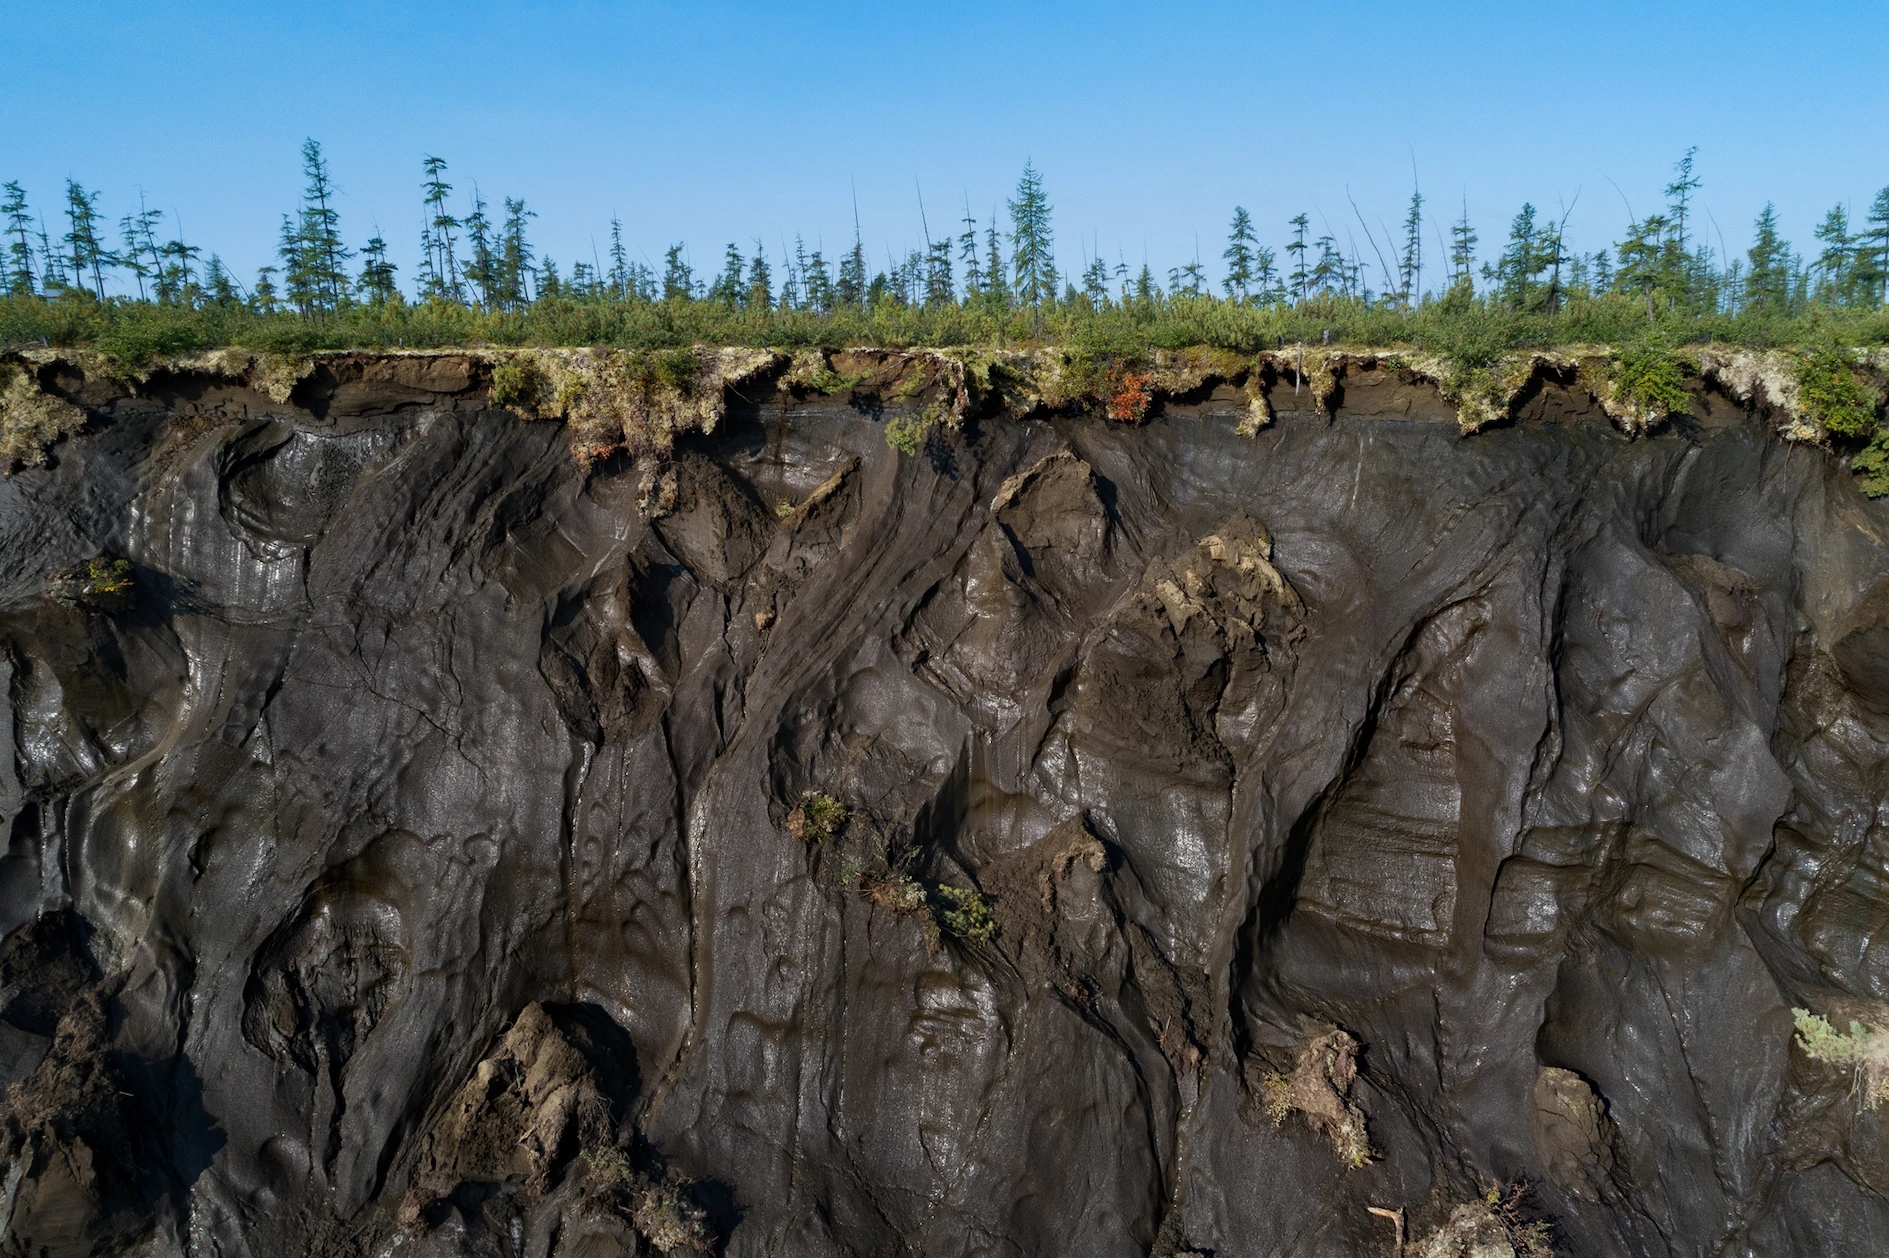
<point>1236,814</point>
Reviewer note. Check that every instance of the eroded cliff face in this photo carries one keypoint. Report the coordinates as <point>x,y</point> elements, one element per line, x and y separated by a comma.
<point>1075,838</point>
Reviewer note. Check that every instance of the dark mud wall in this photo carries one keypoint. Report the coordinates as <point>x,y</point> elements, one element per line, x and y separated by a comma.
<point>406,866</point>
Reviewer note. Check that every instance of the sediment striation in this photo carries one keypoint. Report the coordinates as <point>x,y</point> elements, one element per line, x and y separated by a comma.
<point>587,802</point>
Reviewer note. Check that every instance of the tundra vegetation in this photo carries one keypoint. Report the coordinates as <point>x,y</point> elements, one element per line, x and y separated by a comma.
<point>1639,309</point>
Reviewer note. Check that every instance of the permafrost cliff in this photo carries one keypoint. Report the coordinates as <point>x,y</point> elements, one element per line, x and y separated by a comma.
<point>1275,825</point>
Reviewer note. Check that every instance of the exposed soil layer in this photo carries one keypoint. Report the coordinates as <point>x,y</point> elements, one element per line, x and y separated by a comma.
<point>1269,827</point>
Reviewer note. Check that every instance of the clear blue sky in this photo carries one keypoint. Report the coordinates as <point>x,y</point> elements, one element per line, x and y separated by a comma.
<point>710,122</point>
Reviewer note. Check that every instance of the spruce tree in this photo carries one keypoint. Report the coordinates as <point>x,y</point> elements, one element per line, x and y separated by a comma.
<point>1095,283</point>
<point>1239,255</point>
<point>21,281</point>
<point>1032,243</point>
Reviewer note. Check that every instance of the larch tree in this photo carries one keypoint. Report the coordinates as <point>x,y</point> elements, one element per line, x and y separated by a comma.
<point>21,280</point>
<point>320,229</point>
<point>84,247</point>
<point>1238,256</point>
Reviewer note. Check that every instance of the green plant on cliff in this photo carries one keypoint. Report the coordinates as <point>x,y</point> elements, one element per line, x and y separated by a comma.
<point>518,385</point>
<point>816,818</point>
<point>1832,393</point>
<point>965,913</point>
<point>1864,1050</point>
<point>1651,380</point>
<point>907,433</point>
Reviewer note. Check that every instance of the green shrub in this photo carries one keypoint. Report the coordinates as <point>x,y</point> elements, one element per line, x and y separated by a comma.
<point>1833,395</point>
<point>965,913</point>
<point>1651,380</point>
<point>816,818</point>
<point>907,434</point>
<point>1864,1050</point>
<point>831,382</point>
<point>518,386</point>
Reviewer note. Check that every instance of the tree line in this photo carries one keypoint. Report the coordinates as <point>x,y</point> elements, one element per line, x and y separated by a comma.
<point>480,257</point>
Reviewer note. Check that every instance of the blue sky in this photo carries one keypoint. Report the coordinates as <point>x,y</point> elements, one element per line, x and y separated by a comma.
<point>711,122</point>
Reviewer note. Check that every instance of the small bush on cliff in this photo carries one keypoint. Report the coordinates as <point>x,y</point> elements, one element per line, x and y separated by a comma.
<point>816,818</point>
<point>1863,1049</point>
<point>965,913</point>
<point>907,434</point>
<point>1650,382</point>
<point>1833,395</point>
<point>518,385</point>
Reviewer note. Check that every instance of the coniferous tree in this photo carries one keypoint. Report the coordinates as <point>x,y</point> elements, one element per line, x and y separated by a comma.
<point>850,288</point>
<point>177,275</point>
<point>21,281</point>
<point>940,286</point>
<point>299,279</point>
<point>967,255</point>
<point>820,294</point>
<point>263,298</point>
<point>1768,280</point>
<point>217,284</point>
<point>678,278</point>
<point>1515,272</point>
<point>1147,292</point>
<point>442,264</point>
<point>1873,255</point>
<point>1642,257</point>
<point>140,255</point>
<point>514,262</point>
<point>1301,277</point>
<point>321,231</point>
<point>729,285</point>
<point>1463,253</point>
<point>619,261</point>
<point>550,283</point>
<point>1095,283</point>
<point>760,294</point>
<point>996,290</point>
<point>1410,262</point>
<point>52,263</point>
<point>86,250</point>
<point>1241,244</point>
<point>1032,243</point>
<point>1835,265</point>
<point>481,268</point>
<point>376,283</point>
